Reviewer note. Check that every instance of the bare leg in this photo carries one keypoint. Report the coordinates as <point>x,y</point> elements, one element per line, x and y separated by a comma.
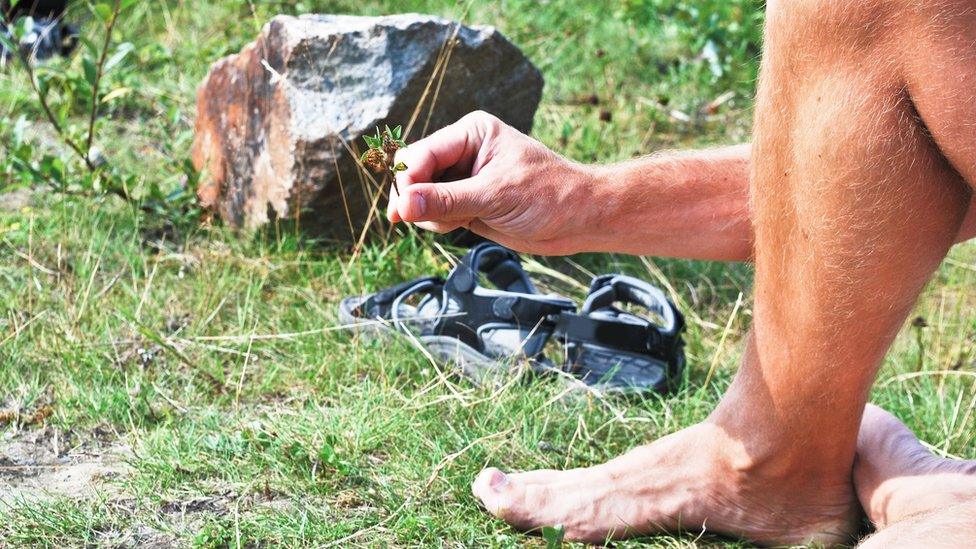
<point>911,496</point>
<point>854,207</point>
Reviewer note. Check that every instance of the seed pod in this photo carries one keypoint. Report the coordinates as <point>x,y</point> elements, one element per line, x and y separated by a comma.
<point>375,159</point>
<point>390,147</point>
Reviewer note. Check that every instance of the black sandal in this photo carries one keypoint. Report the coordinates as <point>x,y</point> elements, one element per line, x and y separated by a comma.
<point>482,329</point>
<point>620,352</point>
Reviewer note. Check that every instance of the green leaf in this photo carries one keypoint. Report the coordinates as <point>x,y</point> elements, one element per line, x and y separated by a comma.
<point>120,52</point>
<point>91,73</point>
<point>126,4</point>
<point>362,157</point>
<point>89,46</point>
<point>103,11</point>
<point>400,166</point>
<point>61,114</point>
<point>553,536</point>
<point>397,132</point>
<point>7,43</point>
<point>173,113</point>
<point>42,85</point>
<point>373,142</point>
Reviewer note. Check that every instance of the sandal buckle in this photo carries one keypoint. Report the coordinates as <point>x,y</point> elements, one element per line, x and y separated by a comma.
<point>502,307</point>
<point>653,339</point>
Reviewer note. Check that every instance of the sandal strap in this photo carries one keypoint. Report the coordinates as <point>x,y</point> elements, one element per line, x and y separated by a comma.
<point>501,266</point>
<point>432,286</point>
<point>615,334</point>
<point>644,337</point>
<point>381,304</point>
<point>515,303</point>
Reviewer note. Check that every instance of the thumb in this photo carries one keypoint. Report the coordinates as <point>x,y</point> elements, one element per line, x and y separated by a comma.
<point>452,201</point>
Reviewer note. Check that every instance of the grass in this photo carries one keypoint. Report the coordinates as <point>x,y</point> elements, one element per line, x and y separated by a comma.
<point>251,420</point>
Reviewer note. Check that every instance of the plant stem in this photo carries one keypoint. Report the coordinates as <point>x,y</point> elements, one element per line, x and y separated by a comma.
<point>31,76</point>
<point>99,69</point>
<point>84,155</point>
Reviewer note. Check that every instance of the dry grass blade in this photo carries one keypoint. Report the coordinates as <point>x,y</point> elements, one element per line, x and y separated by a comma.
<point>915,375</point>
<point>22,327</point>
<point>453,456</point>
<point>721,343</point>
<point>303,333</point>
<point>533,265</point>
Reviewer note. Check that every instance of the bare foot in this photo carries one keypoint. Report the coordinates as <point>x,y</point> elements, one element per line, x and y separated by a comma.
<point>693,480</point>
<point>896,477</point>
<point>949,527</point>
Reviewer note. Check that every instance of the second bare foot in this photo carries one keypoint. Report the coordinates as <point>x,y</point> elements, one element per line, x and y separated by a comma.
<point>896,477</point>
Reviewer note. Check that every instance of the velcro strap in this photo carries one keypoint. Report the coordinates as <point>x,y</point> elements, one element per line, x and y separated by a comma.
<point>525,310</point>
<point>515,302</point>
<point>614,334</point>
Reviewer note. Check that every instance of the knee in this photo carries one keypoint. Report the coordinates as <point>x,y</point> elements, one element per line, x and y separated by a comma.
<point>840,25</point>
<point>823,26</point>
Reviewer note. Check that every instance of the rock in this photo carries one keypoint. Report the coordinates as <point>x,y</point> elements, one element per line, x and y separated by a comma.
<point>279,125</point>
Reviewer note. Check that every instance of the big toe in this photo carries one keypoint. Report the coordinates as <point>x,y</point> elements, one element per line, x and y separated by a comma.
<point>515,498</point>
<point>490,486</point>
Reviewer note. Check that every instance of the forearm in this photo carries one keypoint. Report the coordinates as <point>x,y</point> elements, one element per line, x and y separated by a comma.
<point>693,205</point>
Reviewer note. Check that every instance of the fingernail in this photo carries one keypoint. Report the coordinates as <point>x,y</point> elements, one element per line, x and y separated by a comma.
<point>498,480</point>
<point>418,205</point>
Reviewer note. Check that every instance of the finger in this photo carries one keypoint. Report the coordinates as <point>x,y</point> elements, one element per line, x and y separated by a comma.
<point>391,210</point>
<point>479,228</point>
<point>457,200</point>
<point>440,227</point>
<point>453,147</point>
<point>559,246</point>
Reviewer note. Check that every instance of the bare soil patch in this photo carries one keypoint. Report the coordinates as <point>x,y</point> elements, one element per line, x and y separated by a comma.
<point>46,463</point>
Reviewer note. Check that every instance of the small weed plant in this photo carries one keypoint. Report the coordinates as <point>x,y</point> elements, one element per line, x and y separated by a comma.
<point>70,96</point>
<point>381,154</point>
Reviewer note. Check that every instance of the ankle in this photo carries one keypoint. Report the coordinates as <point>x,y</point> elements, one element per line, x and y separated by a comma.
<point>766,448</point>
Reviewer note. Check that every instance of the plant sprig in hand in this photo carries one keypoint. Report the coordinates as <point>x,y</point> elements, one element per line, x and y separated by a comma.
<point>381,154</point>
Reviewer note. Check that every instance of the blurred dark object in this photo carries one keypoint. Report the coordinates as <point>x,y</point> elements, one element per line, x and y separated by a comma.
<point>48,35</point>
<point>463,237</point>
<point>48,9</point>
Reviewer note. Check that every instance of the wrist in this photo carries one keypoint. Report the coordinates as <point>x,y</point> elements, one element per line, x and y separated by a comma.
<point>619,204</point>
<point>583,205</point>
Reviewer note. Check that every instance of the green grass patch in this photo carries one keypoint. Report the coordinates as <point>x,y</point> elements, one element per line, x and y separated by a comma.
<point>213,355</point>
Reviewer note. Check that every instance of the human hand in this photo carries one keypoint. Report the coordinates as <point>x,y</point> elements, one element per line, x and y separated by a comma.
<point>482,174</point>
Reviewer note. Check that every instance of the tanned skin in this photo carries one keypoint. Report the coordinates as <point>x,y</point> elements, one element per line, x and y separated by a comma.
<point>857,182</point>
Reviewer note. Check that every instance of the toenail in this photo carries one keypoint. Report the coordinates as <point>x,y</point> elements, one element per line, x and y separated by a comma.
<point>498,480</point>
